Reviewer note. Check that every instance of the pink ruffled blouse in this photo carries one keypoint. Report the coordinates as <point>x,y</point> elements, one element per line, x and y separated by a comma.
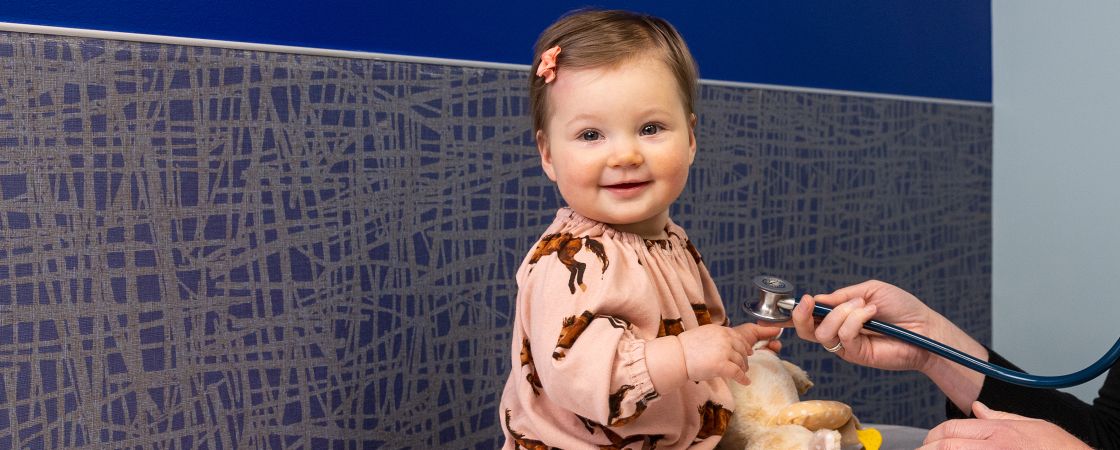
<point>589,300</point>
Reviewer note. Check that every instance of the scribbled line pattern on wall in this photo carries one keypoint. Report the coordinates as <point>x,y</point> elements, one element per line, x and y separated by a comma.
<point>216,249</point>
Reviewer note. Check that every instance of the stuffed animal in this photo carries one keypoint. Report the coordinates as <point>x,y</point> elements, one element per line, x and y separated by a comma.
<point>770,416</point>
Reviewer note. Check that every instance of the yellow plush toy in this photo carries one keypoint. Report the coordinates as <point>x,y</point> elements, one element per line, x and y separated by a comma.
<point>769,414</point>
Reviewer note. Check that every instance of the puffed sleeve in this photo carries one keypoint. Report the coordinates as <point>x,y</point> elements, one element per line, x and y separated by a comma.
<point>590,310</point>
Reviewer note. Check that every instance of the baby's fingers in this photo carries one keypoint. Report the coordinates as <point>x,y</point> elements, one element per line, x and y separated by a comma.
<point>740,362</point>
<point>739,345</point>
<point>774,346</point>
<point>765,333</point>
<point>754,333</point>
<point>737,373</point>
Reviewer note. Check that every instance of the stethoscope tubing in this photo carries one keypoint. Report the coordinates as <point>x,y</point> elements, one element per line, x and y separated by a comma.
<point>984,367</point>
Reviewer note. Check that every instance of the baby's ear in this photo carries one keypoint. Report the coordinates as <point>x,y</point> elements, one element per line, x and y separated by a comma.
<point>691,138</point>
<point>546,155</point>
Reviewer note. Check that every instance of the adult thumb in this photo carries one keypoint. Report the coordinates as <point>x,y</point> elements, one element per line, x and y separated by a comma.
<point>982,411</point>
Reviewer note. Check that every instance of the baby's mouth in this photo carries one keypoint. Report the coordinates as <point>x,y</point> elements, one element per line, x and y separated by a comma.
<point>629,185</point>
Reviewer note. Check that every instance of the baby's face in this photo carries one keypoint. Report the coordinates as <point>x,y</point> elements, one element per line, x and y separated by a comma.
<point>618,143</point>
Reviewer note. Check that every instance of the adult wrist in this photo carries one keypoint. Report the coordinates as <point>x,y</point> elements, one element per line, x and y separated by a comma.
<point>960,384</point>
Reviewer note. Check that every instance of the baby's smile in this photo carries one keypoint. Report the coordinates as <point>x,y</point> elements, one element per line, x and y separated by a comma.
<point>628,185</point>
<point>628,189</point>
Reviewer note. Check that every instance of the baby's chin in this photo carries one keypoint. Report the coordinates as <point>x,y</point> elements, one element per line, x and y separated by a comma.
<point>649,227</point>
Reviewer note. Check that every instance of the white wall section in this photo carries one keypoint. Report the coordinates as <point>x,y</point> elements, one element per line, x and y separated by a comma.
<point>1056,199</point>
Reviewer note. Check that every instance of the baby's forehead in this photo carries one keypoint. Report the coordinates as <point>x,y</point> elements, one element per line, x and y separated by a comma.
<point>614,60</point>
<point>654,77</point>
<point>639,69</point>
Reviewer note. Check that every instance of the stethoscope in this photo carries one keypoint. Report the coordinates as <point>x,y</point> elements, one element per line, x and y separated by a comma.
<point>776,301</point>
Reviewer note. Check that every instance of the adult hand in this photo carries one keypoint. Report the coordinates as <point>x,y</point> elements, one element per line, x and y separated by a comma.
<point>855,305</point>
<point>999,430</point>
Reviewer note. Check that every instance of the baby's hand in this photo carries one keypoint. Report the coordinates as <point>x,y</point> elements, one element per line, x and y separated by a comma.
<point>754,333</point>
<point>713,351</point>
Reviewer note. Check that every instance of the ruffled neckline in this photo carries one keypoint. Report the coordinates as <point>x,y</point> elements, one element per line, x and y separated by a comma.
<point>579,224</point>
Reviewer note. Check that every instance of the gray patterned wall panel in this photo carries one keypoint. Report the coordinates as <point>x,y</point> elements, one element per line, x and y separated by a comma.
<point>216,249</point>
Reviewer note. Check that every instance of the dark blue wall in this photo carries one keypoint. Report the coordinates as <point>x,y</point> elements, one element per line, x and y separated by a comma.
<point>932,49</point>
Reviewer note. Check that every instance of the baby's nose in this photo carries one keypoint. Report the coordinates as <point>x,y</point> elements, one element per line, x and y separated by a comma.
<point>626,154</point>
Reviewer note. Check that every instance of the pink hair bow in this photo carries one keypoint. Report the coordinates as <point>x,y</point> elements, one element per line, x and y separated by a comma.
<point>547,68</point>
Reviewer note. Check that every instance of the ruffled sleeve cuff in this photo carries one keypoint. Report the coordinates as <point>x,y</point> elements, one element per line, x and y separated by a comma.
<point>664,361</point>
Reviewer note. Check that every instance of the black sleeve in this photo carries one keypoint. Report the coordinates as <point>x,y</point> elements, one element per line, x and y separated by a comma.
<point>1097,424</point>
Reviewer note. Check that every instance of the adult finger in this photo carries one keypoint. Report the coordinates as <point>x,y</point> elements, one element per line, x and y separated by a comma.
<point>850,330</point>
<point>982,411</point>
<point>803,321</point>
<point>955,444</point>
<point>845,294</point>
<point>828,329</point>
<point>960,429</point>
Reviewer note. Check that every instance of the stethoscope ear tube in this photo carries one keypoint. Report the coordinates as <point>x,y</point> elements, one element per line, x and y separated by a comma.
<point>784,302</point>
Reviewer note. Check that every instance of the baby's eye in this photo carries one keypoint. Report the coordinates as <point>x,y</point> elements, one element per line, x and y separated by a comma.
<point>590,135</point>
<point>650,129</point>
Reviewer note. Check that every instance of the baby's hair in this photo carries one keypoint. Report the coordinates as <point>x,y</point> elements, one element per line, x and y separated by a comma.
<point>592,38</point>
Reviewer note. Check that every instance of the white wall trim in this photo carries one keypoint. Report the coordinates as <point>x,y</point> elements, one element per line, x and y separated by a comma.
<point>912,98</point>
<point>251,46</point>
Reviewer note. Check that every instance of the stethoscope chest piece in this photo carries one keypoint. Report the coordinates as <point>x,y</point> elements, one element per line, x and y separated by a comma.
<point>774,299</point>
